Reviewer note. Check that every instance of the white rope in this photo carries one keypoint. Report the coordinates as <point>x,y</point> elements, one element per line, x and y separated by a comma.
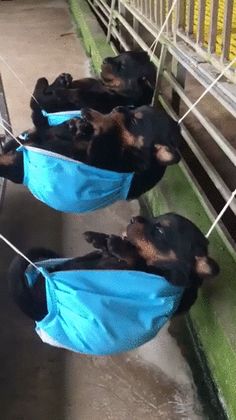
<point>155,42</point>
<point>18,78</point>
<point>10,133</point>
<point>221,214</point>
<point>185,115</point>
<point>4,121</point>
<point>207,90</point>
<point>18,252</point>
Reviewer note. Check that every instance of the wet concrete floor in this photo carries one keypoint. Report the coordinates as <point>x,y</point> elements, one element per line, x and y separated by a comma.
<point>38,382</point>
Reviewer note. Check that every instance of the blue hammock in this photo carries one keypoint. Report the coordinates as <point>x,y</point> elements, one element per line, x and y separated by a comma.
<point>71,186</point>
<point>56,118</point>
<point>101,312</point>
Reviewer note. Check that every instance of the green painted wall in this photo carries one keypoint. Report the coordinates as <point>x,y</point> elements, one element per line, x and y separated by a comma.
<point>214,314</point>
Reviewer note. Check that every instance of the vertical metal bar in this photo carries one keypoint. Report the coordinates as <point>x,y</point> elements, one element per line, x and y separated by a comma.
<point>175,22</point>
<point>121,31</point>
<point>162,11</point>
<point>5,115</point>
<point>190,17</point>
<point>113,2</point>
<point>213,26</point>
<point>181,13</point>
<point>169,23</point>
<point>157,12</point>
<point>180,74</point>
<point>201,22</point>
<point>154,6</point>
<point>151,9</point>
<point>147,8</point>
<point>143,7</point>
<point>227,27</point>
<point>159,74</point>
<point>136,29</point>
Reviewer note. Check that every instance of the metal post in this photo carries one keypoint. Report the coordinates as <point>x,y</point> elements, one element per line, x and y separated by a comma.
<point>213,26</point>
<point>113,2</point>
<point>180,75</point>
<point>201,22</point>
<point>227,29</point>
<point>159,74</point>
<point>5,115</point>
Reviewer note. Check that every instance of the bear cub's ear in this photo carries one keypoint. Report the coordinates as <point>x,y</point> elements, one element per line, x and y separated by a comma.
<point>206,267</point>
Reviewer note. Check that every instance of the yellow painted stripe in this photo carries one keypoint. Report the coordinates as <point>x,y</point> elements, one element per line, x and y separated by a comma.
<point>219,26</point>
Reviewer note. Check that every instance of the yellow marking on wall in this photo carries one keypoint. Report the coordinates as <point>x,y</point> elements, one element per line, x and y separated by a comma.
<point>220,20</point>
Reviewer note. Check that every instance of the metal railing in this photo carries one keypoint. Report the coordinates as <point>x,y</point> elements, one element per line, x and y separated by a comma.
<point>207,26</point>
<point>4,115</point>
<point>193,51</point>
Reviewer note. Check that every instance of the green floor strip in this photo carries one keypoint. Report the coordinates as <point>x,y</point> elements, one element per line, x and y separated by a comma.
<point>93,38</point>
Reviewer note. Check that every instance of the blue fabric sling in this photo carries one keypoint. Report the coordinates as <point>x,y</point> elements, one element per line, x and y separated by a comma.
<point>102,312</point>
<point>71,186</point>
<point>56,118</point>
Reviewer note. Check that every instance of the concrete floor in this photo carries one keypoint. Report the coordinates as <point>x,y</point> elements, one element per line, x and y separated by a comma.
<point>39,382</point>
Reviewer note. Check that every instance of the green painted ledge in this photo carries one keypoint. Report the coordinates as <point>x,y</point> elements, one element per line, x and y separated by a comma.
<point>213,317</point>
<point>212,320</point>
<point>93,37</point>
